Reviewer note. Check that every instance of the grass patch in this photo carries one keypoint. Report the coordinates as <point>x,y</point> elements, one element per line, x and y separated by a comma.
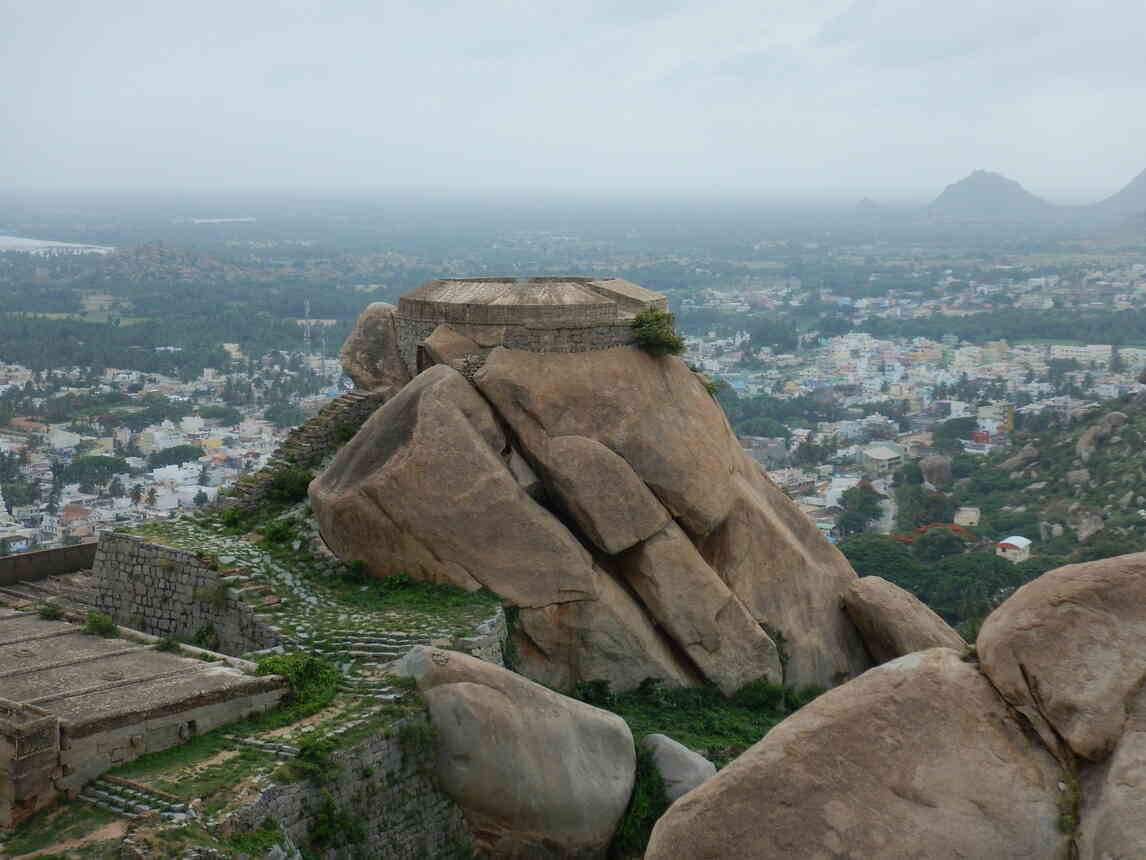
<point>701,718</point>
<point>313,684</point>
<point>399,591</point>
<point>52,826</point>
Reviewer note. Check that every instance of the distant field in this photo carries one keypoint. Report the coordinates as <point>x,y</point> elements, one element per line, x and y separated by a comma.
<point>91,317</point>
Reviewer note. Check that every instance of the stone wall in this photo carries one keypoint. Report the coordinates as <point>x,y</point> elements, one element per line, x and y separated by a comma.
<point>310,444</point>
<point>384,786</point>
<point>88,750</point>
<point>171,592</point>
<point>40,564</point>
<point>488,641</point>
<point>536,337</point>
<point>29,747</point>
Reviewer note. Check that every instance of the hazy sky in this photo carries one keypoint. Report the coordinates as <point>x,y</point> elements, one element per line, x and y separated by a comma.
<point>875,97</point>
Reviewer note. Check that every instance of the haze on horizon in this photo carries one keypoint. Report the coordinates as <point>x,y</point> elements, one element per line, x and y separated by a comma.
<point>884,98</point>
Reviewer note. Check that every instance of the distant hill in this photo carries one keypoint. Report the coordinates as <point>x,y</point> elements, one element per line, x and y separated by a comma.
<point>984,194</point>
<point>1131,200</point>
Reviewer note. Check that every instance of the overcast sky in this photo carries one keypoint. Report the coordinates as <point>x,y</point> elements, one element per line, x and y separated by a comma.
<point>850,97</point>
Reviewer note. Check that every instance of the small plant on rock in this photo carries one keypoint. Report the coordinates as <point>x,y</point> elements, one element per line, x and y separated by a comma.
<point>655,332</point>
<point>50,612</point>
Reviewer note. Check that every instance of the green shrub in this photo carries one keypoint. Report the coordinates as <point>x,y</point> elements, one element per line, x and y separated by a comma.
<point>278,532</point>
<point>236,520</point>
<point>313,682</point>
<point>50,612</point>
<point>416,737</point>
<point>647,803</point>
<point>288,485</point>
<point>170,644</point>
<point>655,332</point>
<point>206,637</point>
<point>99,624</point>
<point>333,826</point>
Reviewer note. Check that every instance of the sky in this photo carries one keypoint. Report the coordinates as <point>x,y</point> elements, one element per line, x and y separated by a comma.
<point>880,98</point>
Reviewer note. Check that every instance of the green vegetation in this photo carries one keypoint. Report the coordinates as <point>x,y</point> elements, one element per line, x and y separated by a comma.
<point>176,456</point>
<point>169,644</point>
<point>50,612</point>
<point>314,762</point>
<point>313,682</point>
<point>647,803</point>
<point>95,469</point>
<point>100,624</point>
<point>287,485</point>
<point>53,826</point>
<point>701,718</point>
<point>861,506</point>
<point>1069,803</point>
<point>655,333</point>
<point>417,737</point>
<point>333,826</point>
<point>399,591</point>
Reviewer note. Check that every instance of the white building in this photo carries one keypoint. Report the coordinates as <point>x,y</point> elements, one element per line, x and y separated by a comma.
<point>1014,549</point>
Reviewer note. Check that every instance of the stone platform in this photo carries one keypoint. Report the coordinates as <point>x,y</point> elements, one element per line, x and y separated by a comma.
<point>72,705</point>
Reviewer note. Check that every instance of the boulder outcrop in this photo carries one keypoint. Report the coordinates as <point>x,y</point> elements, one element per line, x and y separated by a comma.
<point>916,758</point>
<point>535,773</point>
<point>894,622</point>
<point>1027,454</point>
<point>370,356</point>
<point>680,768</point>
<point>936,470</point>
<point>1068,651</point>
<point>602,493</point>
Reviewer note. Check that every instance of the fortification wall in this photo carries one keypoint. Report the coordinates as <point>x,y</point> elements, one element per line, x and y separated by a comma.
<point>171,592</point>
<point>31,566</point>
<point>29,750</point>
<point>383,785</point>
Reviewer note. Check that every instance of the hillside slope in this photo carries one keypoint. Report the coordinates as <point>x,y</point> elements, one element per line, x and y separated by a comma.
<point>984,194</point>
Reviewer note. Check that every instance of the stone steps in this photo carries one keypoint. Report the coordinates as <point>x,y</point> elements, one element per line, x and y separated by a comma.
<point>133,801</point>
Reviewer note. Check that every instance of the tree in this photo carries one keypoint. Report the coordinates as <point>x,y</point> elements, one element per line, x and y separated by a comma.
<point>283,415</point>
<point>938,543</point>
<point>136,493</point>
<point>655,332</point>
<point>152,496</point>
<point>948,435</point>
<point>879,555</point>
<point>175,456</point>
<point>115,488</point>
<point>200,499</point>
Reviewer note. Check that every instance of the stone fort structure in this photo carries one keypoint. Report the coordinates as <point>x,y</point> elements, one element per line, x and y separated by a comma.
<point>539,314</point>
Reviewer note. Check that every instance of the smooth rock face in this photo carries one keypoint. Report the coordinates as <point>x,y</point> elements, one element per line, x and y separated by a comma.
<point>894,622</point>
<point>653,413</point>
<point>446,346</point>
<point>1068,650</point>
<point>423,488</point>
<point>703,617</point>
<point>1112,821</point>
<point>370,355</point>
<point>917,758</point>
<point>602,493</point>
<point>792,581</point>
<point>609,638</point>
<point>681,769</point>
<point>537,774</point>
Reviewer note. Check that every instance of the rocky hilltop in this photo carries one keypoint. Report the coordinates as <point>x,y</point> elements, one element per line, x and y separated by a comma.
<point>597,489</point>
<point>984,194</point>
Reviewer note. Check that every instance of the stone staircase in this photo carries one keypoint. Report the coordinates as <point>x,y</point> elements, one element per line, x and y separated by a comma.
<point>308,444</point>
<point>132,800</point>
<point>368,648</point>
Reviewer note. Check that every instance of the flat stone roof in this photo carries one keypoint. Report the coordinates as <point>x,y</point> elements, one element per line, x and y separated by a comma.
<point>510,300</point>
<point>90,682</point>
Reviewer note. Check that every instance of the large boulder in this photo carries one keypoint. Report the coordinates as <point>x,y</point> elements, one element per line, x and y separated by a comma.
<point>1068,650</point>
<point>918,758</point>
<point>894,622</point>
<point>656,415</point>
<point>370,355</point>
<point>1111,821</point>
<point>703,617</point>
<point>680,768</point>
<point>936,470</point>
<point>536,774</point>
<point>423,488</point>
<point>1027,454</point>
<point>602,493</point>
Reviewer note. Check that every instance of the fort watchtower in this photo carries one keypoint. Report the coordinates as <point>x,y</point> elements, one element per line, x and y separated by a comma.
<point>540,314</point>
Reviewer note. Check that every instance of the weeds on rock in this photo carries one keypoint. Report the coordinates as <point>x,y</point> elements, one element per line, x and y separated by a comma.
<point>313,682</point>
<point>100,624</point>
<point>169,644</point>
<point>50,612</point>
